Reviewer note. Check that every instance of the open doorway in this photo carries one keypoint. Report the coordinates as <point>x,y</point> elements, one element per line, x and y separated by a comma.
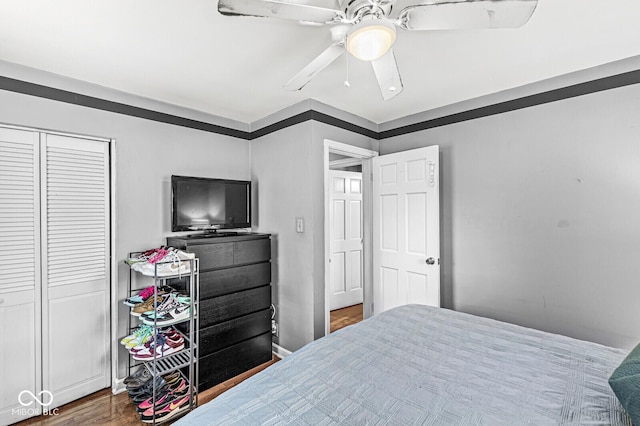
<point>346,254</point>
<point>347,234</point>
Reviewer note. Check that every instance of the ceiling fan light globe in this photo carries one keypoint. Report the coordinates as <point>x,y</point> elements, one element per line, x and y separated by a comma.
<point>369,41</point>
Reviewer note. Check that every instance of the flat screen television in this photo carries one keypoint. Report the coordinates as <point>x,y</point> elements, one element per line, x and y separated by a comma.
<point>209,204</point>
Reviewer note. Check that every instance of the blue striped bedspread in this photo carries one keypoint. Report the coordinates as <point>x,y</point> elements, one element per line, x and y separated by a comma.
<point>419,365</point>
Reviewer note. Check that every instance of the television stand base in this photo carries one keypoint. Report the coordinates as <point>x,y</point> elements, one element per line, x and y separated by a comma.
<point>213,234</point>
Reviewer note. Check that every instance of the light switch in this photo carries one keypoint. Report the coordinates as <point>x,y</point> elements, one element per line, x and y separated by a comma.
<point>299,225</point>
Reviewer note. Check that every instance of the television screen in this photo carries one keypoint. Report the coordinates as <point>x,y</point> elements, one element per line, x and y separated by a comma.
<point>202,203</point>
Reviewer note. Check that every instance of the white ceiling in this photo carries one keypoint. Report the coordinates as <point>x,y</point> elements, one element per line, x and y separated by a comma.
<point>186,53</point>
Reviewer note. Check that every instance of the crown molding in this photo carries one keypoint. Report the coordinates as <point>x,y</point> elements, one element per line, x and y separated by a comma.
<point>312,110</point>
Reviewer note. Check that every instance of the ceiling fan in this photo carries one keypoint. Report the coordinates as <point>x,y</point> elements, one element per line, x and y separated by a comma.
<point>367,28</point>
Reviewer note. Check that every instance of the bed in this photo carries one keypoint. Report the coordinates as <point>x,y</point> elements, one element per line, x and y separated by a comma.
<point>420,365</point>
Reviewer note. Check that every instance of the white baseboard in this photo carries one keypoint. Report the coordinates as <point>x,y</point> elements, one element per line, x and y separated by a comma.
<point>279,351</point>
<point>118,386</point>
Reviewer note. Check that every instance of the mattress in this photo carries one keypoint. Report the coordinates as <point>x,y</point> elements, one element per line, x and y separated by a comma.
<point>419,365</point>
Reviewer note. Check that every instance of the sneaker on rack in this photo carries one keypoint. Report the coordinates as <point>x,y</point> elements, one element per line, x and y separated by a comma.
<point>151,343</point>
<point>150,346</point>
<point>137,333</point>
<point>170,346</point>
<point>146,390</point>
<point>172,378</point>
<point>142,257</point>
<point>141,341</point>
<point>175,262</point>
<point>184,299</point>
<point>141,375</point>
<point>147,386</point>
<point>142,337</point>
<point>140,398</point>
<point>172,383</point>
<point>135,383</point>
<point>161,397</point>
<point>175,405</point>
<point>180,313</point>
<point>165,347</point>
<point>150,329</point>
<point>169,304</point>
<point>140,297</point>
<point>149,305</point>
<point>143,346</point>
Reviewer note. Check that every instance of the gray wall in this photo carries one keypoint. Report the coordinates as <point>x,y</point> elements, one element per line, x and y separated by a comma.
<point>540,213</point>
<point>287,169</point>
<point>147,154</point>
<point>280,164</point>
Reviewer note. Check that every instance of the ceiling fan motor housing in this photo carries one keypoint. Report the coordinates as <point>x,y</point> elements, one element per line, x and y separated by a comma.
<point>357,9</point>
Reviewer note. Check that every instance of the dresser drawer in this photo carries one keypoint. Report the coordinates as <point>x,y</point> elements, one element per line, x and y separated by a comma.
<point>213,255</point>
<point>225,252</point>
<point>252,251</point>
<point>224,308</point>
<point>227,363</point>
<point>228,333</point>
<point>230,280</point>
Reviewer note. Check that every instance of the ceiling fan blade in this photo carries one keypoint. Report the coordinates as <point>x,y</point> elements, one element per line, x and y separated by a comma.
<point>279,9</point>
<point>474,14</point>
<point>386,70</point>
<point>318,64</point>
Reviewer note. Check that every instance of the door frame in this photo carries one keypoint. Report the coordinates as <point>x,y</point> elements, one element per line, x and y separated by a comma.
<point>363,156</point>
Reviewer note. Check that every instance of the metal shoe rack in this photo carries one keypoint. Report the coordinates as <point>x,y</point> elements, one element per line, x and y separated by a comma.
<point>184,361</point>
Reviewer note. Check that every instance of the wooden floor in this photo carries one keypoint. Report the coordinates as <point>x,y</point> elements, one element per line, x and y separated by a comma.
<point>346,316</point>
<point>104,408</point>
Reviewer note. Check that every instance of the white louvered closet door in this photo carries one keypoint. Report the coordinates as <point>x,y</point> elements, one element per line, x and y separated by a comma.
<point>19,270</point>
<point>75,272</point>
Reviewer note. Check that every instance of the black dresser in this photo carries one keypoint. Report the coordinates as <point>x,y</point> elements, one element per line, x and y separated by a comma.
<point>235,301</point>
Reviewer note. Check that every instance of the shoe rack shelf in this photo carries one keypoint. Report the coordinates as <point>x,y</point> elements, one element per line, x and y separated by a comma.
<point>170,364</point>
<point>184,361</point>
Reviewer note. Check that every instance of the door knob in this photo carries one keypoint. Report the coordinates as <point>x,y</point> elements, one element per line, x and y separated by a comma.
<point>431,261</point>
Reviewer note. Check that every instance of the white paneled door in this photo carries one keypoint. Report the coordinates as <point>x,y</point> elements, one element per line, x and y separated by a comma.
<point>75,241</point>
<point>406,229</point>
<point>346,261</point>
